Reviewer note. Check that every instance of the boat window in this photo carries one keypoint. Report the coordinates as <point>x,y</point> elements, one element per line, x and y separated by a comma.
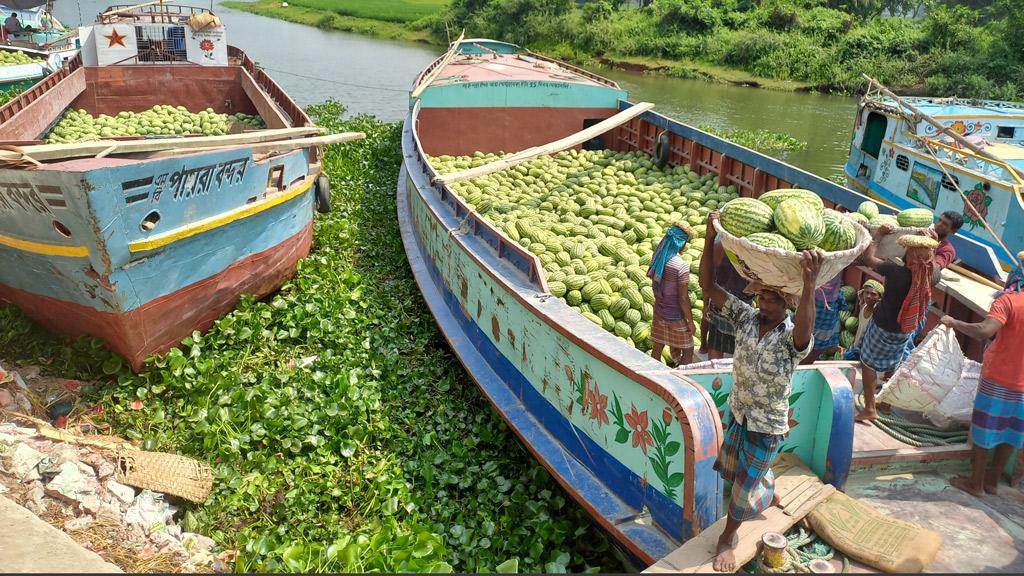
<point>1004,132</point>
<point>874,133</point>
<point>275,181</point>
<point>902,162</point>
<point>161,43</point>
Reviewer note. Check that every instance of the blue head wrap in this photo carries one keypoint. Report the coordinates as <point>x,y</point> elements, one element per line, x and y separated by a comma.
<point>1015,282</point>
<point>669,246</point>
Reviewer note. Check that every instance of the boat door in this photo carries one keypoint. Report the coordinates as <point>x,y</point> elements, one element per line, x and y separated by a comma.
<point>867,143</point>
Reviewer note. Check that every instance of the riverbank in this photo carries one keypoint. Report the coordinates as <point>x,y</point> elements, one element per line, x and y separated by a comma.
<point>410,32</point>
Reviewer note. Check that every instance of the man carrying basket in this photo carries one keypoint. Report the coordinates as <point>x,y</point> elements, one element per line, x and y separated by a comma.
<point>769,346</point>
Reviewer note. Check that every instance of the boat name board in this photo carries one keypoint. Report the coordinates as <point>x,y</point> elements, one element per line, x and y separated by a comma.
<point>30,198</point>
<point>187,183</point>
<point>518,84</point>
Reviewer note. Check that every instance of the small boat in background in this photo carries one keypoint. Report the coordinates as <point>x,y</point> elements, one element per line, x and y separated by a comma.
<point>142,237</point>
<point>45,45</point>
<point>917,152</point>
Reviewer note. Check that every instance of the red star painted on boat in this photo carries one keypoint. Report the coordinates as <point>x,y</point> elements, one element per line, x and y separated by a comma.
<point>116,39</point>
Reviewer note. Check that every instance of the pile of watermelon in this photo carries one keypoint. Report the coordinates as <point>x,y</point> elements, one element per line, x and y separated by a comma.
<point>848,322</point>
<point>868,214</point>
<point>594,218</point>
<point>789,219</point>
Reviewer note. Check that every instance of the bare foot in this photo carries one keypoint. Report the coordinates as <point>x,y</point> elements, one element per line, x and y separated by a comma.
<point>964,483</point>
<point>726,559</point>
<point>865,416</point>
<point>776,501</point>
<point>992,488</point>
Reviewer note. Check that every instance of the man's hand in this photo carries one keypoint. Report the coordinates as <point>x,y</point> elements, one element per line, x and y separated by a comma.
<point>712,218</point>
<point>931,233</point>
<point>946,321</point>
<point>692,327</point>
<point>810,262</point>
<point>885,229</point>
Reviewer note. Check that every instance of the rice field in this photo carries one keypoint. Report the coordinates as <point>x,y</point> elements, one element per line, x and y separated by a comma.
<point>387,10</point>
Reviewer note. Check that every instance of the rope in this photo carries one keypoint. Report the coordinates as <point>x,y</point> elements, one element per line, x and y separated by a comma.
<point>802,547</point>
<point>319,79</point>
<point>914,433</point>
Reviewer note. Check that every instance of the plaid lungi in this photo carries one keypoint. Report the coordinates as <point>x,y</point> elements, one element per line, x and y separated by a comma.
<point>882,350</point>
<point>721,332</point>
<point>826,324</point>
<point>998,416</point>
<point>672,333</point>
<point>746,460</point>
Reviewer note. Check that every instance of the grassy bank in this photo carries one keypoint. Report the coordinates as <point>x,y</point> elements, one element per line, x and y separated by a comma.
<point>343,433</point>
<point>368,25</point>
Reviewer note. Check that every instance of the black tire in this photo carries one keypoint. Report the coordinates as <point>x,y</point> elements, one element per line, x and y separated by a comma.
<point>323,194</point>
<point>661,150</point>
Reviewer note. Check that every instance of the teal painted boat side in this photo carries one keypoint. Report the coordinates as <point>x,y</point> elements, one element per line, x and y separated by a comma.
<point>521,94</point>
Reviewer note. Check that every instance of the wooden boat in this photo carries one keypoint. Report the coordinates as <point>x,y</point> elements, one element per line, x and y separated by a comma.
<point>900,156</point>
<point>142,240</point>
<point>629,439</point>
<point>46,47</point>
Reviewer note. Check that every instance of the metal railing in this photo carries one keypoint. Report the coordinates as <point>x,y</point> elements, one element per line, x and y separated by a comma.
<point>960,159</point>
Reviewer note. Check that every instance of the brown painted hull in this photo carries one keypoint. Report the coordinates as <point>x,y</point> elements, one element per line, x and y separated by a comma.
<point>161,324</point>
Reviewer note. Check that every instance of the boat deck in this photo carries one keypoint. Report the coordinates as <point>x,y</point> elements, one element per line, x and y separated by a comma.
<point>508,67</point>
<point>1009,153</point>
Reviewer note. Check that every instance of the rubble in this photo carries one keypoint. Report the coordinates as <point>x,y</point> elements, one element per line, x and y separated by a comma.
<point>74,487</point>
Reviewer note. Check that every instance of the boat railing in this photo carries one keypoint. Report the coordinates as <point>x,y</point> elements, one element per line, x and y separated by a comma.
<point>575,70</point>
<point>472,223</point>
<point>37,90</point>
<point>962,158</point>
<point>297,115</point>
<point>154,14</point>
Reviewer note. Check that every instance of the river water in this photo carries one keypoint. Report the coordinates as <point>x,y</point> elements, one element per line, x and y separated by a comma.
<point>374,76</point>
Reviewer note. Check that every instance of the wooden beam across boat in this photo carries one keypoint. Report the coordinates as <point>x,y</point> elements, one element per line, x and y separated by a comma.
<point>453,51</point>
<point>277,147</point>
<point>549,148</point>
<point>93,148</point>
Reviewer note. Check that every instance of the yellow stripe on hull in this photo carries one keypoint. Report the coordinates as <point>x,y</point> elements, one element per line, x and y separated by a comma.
<point>219,220</point>
<point>44,248</point>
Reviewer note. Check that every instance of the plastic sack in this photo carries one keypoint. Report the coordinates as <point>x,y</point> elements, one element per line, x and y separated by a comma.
<point>928,375</point>
<point>956,408</point>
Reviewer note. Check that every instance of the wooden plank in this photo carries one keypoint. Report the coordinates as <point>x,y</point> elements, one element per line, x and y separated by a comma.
<point>452,53</point>
<point>63,151</point>
<point>271,147</point>
<point>265,106</point>
<point>549,148</point>
<point>698,554</point>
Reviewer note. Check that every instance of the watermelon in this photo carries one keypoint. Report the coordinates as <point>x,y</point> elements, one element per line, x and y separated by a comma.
<point>850,293</point>
<point>839,232</point>
<point>868,208</point>
<point>915,218</point>
<point>800,223</point>
<point>851,323</point>
<point>557,288</point>
<point>771,240</point>
<point>858,218</point>
<point>846,339</point>
<point>775,197</point>
<point>744,216</point>
<point>618,307</point>
<point>884,219</point>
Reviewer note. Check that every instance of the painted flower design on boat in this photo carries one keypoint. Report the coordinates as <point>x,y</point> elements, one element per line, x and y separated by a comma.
<point>640,423</point>
<point>206,45</point>
<point>597,405</point>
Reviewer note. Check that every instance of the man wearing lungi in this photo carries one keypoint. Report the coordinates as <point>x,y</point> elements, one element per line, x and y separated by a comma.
<point>908,292</point>
<point>768,348</point>
<point>828,302</point>
<point>998,419</point>
<point>672,324</point>
<point>721,338</point>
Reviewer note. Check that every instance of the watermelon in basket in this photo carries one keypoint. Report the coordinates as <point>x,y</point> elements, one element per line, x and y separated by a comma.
<point>887,247</point>
<point>906,222</point>
<point>779,267</point>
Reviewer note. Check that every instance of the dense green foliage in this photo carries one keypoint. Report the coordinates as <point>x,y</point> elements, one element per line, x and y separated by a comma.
<point>955,49</point>
<point>761,140</point>
<point>379,454</point>
<point>387,10</point>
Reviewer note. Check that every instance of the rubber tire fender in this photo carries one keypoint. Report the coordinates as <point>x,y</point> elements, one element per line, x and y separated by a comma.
<point>661,150</point>
<point>322,196</point>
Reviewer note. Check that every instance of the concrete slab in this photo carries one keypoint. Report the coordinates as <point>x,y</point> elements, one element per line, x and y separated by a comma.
<point>29,544</point>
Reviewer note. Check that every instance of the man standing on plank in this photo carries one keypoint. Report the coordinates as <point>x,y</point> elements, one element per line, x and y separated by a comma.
<point>948,225</point>
<point>769,346</point>
<point>998,419</point>
<point>908,291</point>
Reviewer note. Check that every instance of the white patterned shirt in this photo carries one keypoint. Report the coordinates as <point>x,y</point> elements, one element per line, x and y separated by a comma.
<point>762,369</point>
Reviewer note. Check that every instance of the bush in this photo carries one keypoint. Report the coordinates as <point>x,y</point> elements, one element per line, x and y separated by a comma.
<point>687,15</point>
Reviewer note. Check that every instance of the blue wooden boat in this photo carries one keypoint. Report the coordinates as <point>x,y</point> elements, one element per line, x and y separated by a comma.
<point>44,49</point>
<point>632,441</point>
<point>904,161</point>
<point>143,248</point>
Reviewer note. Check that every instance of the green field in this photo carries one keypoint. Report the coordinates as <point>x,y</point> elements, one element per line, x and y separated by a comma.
<point>387,10</point>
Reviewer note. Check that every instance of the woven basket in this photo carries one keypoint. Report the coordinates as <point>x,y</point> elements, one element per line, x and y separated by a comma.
<point>168,473</point>
<point>781,268</point>
<point>887,248</point>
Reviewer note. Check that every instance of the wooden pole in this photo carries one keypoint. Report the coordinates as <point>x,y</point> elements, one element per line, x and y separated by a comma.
<point>549,148</point>
<point>271,147</point>
<point>129,8</point>
<point>938,126</point>
<point>448,57</point>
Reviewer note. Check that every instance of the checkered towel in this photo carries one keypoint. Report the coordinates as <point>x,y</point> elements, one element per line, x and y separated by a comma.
<point>746,460</point>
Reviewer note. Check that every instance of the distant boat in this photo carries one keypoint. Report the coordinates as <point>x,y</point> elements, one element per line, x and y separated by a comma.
<point>43,50</point>
<point>141,240</point>
<point>891,162</point>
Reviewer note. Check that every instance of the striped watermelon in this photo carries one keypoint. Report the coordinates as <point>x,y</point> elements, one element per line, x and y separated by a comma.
<point>618,307</point>
<point>745,216</point>
<point>915,218</point>
<point>839,232</point>
<point>858,218</point>
<point>869,209</point>
<point>772,240</point>
<point>800,222</point>
<point>775,197</point>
